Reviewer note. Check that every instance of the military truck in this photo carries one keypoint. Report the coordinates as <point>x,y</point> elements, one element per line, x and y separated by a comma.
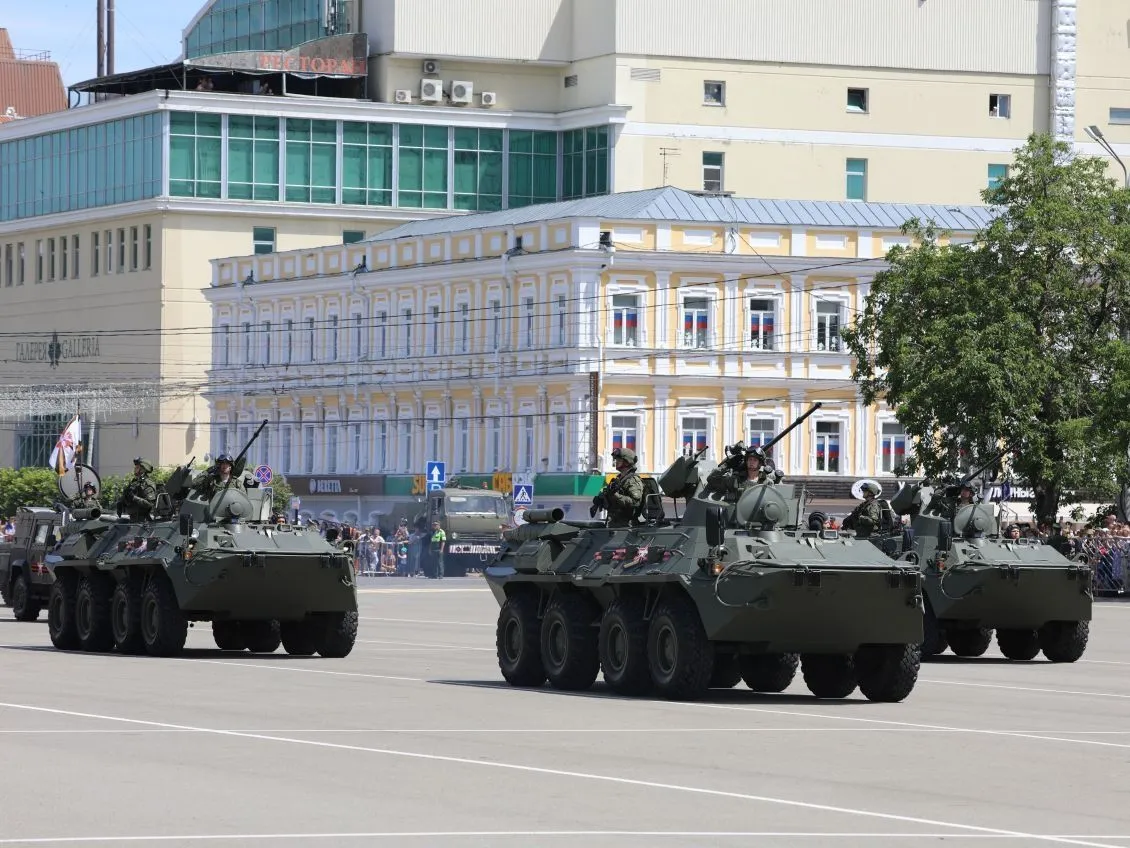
<point>726,593</point>
<point>203,556</point>
<point>977,580</point>
<point>25,579</point>
<point>473,521</point>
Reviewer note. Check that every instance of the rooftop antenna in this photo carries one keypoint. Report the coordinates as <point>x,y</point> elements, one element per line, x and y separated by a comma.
<point>665,153</point>
<point>101,13</point>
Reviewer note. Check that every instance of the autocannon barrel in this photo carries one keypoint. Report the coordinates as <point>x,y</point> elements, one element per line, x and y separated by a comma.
<point>544,516</point>
<point>86,514</point>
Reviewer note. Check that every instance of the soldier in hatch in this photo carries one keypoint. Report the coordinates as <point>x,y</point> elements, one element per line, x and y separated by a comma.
<point>217,478</point>
<point>623,496</point>
<point>140,494</point>
<point>88,499</point>
<point>739,472</point>
<point>866,517</point>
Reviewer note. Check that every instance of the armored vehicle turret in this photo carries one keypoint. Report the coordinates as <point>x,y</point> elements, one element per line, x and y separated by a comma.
<point>209,552</point>
<point>735,589</point>
<point>978,578</point>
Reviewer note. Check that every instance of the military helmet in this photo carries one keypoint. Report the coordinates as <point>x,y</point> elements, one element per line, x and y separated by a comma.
<point>626,454</point>
<point>225,457</point>
<point>143,464</point>
<point>873,488</point>
<point>91,487</point>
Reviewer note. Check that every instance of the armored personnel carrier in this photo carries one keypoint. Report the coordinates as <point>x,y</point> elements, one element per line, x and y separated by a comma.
<point>203,556</point>
<point>976,579</point>
<point>726,593</point>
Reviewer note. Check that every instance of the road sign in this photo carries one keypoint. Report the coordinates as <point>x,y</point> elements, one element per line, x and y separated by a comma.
<point>436,473</point>
<point>435,487</point>
<point>523,495</point>
<point>263,474</point>
<point>295,503</point>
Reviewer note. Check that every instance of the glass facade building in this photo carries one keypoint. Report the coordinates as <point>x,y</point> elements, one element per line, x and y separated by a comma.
<point>230,26</point>
<point>299,160</point>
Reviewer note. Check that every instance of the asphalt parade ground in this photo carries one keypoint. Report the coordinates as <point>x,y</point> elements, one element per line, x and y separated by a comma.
<point>415,740</point>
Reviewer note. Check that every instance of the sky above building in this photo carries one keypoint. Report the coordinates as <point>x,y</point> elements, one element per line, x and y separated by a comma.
<point>147,32</point>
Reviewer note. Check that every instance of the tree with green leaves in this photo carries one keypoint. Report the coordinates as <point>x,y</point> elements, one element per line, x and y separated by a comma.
<point>1019,338</point>
<point>27,487</point>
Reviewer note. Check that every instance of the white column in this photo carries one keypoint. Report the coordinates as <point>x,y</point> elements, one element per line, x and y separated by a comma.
<point>662,417</point>
<point>1064,53</point>
<point>730,413</point>
<point>796,341</point>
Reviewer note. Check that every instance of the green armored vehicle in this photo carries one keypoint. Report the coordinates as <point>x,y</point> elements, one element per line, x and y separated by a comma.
<point>208,552</point>
<point>977,579</point>
<point>730,591</point>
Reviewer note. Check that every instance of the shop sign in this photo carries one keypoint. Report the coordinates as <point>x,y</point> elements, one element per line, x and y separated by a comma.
<point>341,485</point>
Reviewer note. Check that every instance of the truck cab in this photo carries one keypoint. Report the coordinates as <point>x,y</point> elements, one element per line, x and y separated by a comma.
<point>25,578</point>
<point>473,521</point>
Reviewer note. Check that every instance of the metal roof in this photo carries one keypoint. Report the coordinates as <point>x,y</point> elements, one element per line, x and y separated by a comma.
<point>677,205</point>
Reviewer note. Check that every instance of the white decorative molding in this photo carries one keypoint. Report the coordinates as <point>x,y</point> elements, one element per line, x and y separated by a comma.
<point>1063,71</point>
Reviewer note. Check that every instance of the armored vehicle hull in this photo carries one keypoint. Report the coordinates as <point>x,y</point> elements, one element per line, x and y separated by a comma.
<point>977,581</point>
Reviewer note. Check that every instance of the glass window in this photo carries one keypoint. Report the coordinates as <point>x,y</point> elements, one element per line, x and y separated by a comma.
<point>462,444</point>
<point>625,428</point>
<point>406,334</point>
<point>464,327</point>
<point>287,340</point>
<point>75,256</point>
<point>265,331</point>
<point>380,454</point>
<point>478,169</point>
<point>585,162</point>
<point>423,167</point>
<point>308,449</point>
<point>352,236</point>
<point>334,346</point>
<point>857,99</point>
<point>265,24</point>
<point>134,248</point>
<point>494,444</point>
<point>495,325</point>
<point>253,157</point>
<point>996,174</point>
<point>828,320</point>
<point>712,167</point>
<point>94,254</point>
<point>311,161</point>
<point>382,335</point>
<point>9,265</point>
<point>148,246</point>
<point>828,446</point>
<point>1000,105</point>
<point>533,168</point>
<point>696,322</point>
<point>625,319</point>
<point>331,447</point>
<point>895,440</point>
<point>529,318</point>
<point>561,443</point>
<point>856,179</point>
<point>761,315</point>
<point>194,155</point>
<point>366,167</point>
<point>761,431</point>
<point>694,435</point>
<point>263,239</point>
<point>714,93</point>
<point>435,322</point>
<point>404,445</point>
<point>561,321</point>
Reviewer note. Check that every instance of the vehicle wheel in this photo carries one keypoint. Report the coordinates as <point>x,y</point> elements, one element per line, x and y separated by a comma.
<point>261,637</point>
<point>769,672</point>
<point>679,656</point>
<point>228,635</point>
<point>337,634</point>
<point>829,675</point>
<point>969,642</point>
<point>92,613</point>
<point>933,636</point>
<point>5,594</point>
<point>623,648</point>
<point>163,626</point>
<point>1064,641</point>
<point>61,611</point>
<point>887,673</point>
<point>125,617</point>
<point>1018,644</point>
<point>569,646</point>
<point>299,638</point>
<point>727,672</point>
<point>23,607</point>
<point>517,641</point>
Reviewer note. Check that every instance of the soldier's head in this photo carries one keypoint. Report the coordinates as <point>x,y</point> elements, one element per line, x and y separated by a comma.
<point>870,491</point>
<point>754,462</point>
<point>141,467</point>
<point>968,493</point>
<point>224,464</point>
<point>624,458</point>
<point>89,491</point>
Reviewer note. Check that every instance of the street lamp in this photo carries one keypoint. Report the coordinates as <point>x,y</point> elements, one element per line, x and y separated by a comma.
<point>1095,133</point>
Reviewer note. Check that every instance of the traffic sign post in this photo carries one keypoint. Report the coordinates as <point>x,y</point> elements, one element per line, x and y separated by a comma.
<point>523,494</point>
<point>435,487</point>
<point>436,472</point>
<point>264,475</point>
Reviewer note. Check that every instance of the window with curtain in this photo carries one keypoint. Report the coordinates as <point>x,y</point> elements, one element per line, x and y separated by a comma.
<point>478,169</point>
<point>253,158</point>
<point>423,167</point>
<point>194,155</point>
<point>366,165</point>
<point>311,161</point>
<point>533,168</point>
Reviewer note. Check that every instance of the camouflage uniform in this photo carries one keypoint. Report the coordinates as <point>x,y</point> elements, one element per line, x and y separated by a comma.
<point>728,482</point>
<point>209,483</point>
<point>139,495</point>
<point>622,497</point>
<point>89,502</point>
<point>866,517</point>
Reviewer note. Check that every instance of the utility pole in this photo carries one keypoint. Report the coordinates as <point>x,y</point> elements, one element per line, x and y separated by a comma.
<point>101,38</point>
<point>109,38</point>
<point>665,153</point>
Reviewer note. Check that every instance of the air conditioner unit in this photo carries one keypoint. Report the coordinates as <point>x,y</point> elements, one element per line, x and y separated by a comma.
<point>462,91</point>
<point>489,98</point>
<point>403,95</point>
<point>431,91</point>
<point>431,67</point>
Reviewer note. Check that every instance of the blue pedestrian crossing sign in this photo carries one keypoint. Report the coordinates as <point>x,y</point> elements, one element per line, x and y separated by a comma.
<point>523,495</point>
<point>435,473</point>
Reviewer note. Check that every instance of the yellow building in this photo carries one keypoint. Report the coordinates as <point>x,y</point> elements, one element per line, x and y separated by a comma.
<point>481,341</point>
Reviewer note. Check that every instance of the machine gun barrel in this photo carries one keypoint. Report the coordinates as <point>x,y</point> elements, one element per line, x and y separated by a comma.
<point>86,514</point>
<point>1009,448</point>
<point>768,445</point>
<point>544,516</point>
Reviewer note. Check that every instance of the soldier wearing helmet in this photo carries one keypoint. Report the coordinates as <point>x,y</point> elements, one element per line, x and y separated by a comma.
<point>140,494</point>
<point>623,496</point>
<point>866,516</point>
<point>219,477</point>
<point>88,499</point>
<point>745,467</point>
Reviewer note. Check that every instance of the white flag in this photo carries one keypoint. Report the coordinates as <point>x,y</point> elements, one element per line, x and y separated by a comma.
<point>63,457</point>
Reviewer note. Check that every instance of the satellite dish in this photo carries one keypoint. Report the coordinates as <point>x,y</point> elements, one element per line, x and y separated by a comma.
<point>71,484</point>
<point>857,487</point>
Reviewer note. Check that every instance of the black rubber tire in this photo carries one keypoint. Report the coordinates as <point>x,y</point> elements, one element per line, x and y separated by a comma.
<point>61,611</point>
<point>570,649</point>
<point>337,634</point>
<point>887,673</point>
<point>1019,645</point>
<point>125,617</point>
<point>164,627</point>
<point>829,675</point>
<point>24,607</point>
<point>92,613</point>
<point>261,637</point>
<point>1064,641</point>
<point>971,642</point>
<point>769,672</point>
<point>933,635</point>
<point>727,672</point>
<point>517,641</point>
<point>679,655</point>
<point>623,648</point>
<point>299,638</point>
<point>228,635</point>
